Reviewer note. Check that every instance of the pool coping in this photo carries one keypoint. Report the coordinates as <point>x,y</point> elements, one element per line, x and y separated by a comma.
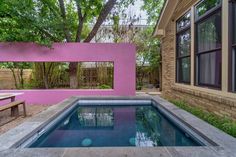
<point>12,138</point>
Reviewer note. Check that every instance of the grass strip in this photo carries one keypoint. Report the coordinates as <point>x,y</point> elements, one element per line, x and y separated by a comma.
<point>223,123</point>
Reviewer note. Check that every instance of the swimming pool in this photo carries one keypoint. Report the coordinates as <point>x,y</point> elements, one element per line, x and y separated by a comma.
<point>115,123</point>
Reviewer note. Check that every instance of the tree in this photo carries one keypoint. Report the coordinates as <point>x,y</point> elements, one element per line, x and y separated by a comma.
<point>17,70</point>
<point>124,29</point>
<point>48,21</point>
<point>49,75</point>
<point>147,53</point>
<point>153,9</point>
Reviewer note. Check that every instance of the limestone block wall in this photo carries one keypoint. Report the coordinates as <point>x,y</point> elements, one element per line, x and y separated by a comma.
<point>220,102</point>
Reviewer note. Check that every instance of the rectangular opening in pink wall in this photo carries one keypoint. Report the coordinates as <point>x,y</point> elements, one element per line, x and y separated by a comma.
<point>55,75</point>
<point>121,55</point>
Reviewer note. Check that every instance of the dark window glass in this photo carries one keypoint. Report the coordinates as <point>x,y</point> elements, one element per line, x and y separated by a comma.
<point>234,49</point>
<point>184,43</point>
<point>184,70</point>
<point>234,22</point>
<point>234,70</point>
<point>183,39</point>
<point>184,22</point>
<point>208,55</point>
<point>205,6</point>
<point>209,33</point>
<point>210,69</point>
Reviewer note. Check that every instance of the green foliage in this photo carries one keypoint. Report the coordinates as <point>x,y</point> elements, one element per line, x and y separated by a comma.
<point>16,65</point>
<point>17,69</point>
<point>148,123</point>
<point>28,20</point>
<point>49,75</point>
<point>206,5</point>
<point>148,54</point>
<point>223,123</point>
<point>103,86</point>
<point>153,9</point>
<point>139,87</point>
<point>41,21</point>
<point>148,48</point>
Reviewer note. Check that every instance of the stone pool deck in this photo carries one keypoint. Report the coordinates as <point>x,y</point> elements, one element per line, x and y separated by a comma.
<point>8,122</point>
<point>225,145</point>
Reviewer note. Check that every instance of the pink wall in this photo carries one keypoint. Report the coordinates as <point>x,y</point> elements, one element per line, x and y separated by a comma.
<point>123,56</point>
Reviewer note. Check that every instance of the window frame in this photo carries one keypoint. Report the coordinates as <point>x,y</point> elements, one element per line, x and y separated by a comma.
<point>178,57</point>
<point>207,13</point>
<point>198,20</point>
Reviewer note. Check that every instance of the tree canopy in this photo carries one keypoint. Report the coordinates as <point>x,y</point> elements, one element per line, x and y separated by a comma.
<point>46,21</point>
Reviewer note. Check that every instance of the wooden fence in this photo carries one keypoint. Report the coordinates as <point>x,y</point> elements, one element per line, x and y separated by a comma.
<point>7,79</point>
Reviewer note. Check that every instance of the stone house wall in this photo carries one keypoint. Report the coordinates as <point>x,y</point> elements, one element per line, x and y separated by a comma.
<point>216,101</point>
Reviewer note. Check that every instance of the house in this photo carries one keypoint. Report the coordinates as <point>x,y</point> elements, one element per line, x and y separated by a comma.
<point>198,39</point>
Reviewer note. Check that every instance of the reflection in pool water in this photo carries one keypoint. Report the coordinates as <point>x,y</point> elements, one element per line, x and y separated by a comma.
<point>100,126</point>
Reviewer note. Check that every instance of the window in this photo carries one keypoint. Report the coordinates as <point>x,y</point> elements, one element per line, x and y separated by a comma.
<point>234,47</point>
<point>183,39</point>
<point>208,43</point>
<point>206,6</point>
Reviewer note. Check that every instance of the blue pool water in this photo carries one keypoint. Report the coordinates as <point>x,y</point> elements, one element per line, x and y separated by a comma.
<point>114,126</point>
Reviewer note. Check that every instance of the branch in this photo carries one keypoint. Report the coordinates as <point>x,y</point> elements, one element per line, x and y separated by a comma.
<point>81,21</point>
<point>78,9</point>
<point>63,15</point>
<point>51,7</point>
<point>102,16</point>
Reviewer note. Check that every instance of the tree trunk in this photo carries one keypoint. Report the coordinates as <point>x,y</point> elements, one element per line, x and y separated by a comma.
<point>73,67</point>
<point>45,80</point>
<point>22,78</point>
<point>14,76</point>
<point>45,76</point>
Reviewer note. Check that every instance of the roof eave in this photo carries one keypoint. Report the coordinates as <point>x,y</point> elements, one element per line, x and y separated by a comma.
<point>165,17</point>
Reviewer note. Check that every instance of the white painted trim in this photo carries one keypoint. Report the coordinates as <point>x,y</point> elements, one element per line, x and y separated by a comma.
<point>192,46</point>
<point>166,15</point>
<point>225,45</point>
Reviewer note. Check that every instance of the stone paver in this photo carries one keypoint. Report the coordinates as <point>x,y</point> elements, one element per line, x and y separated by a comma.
<point>7,122</point>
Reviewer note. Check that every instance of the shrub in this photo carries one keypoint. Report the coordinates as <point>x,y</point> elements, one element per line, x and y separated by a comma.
<point>223,123</point>
<point>104,86</point>
<point>139,86</point>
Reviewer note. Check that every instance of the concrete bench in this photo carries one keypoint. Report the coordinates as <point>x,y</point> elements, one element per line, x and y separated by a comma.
<point>14,108</point>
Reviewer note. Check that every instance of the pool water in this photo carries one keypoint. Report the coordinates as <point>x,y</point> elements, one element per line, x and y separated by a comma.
<point>114,126</point>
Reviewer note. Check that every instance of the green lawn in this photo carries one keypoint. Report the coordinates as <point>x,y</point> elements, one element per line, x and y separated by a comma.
<point>225,124</point>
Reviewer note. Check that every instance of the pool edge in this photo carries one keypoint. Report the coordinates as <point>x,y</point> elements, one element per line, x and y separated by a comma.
<point>227,144</point>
